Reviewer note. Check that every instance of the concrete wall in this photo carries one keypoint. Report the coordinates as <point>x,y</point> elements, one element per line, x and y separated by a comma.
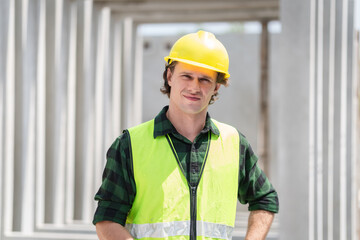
<point>317,114</point>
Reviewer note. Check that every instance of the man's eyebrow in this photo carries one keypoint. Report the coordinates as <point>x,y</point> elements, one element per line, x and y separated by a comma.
<point>184,72</point>
<point>201,75</point>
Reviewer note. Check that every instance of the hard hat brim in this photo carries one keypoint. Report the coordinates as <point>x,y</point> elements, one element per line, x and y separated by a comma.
<point>227,75</point>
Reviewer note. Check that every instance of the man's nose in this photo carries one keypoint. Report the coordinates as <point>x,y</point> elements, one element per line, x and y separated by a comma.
<point>195,85</point>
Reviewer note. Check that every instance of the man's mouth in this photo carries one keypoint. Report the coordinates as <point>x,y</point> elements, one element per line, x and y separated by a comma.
<point>192,98</point>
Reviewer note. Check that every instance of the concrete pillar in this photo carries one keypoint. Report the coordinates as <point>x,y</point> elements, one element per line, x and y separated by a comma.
<point>71,115</point>
<point>40,114</point>
<point>85,81</point>
<point>128,73</point>
<point>101,66</point>
<point>8,82</point>
<point>3,19</point>
<point>41,42</point>
<point>316,137</point>
<point>116,78</point>
<point>138,79</point>
<point>57,43</point>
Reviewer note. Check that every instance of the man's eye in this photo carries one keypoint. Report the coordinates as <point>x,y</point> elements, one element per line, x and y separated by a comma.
<point>205,80</point>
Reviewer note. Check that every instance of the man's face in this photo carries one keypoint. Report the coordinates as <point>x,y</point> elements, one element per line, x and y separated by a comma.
<point>191,87</point>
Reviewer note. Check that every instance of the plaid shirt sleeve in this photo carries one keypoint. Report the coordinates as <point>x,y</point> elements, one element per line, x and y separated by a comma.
<point>117,191</point>
<point>254,187</point>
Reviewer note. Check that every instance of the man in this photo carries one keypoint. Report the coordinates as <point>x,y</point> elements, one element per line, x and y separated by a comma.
<point>179,176</point>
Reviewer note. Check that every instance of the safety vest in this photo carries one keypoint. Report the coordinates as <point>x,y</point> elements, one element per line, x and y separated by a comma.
<point>165,205</point>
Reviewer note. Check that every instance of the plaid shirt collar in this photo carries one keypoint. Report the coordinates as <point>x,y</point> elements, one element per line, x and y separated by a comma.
<point>163,126</point>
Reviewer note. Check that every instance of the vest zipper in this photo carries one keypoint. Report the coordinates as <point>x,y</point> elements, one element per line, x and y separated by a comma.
<point>193,210</point>
<point>193,189</point>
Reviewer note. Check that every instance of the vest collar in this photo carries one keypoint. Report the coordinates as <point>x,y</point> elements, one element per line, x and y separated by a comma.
<point>163,126</point>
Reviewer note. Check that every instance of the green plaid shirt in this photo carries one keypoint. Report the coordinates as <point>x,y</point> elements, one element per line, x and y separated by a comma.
<point>118,189</point>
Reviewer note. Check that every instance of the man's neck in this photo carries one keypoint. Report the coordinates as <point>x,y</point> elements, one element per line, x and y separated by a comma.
<point>188,125</point>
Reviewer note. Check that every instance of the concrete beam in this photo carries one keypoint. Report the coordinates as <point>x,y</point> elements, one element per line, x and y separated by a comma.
<point>180,6</point>
<point>196,11</point>
<point>156,17</point>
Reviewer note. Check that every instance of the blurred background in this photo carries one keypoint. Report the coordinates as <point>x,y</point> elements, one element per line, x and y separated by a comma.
<point>75,73</point>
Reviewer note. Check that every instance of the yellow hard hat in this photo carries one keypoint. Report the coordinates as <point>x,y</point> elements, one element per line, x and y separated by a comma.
<point>201,49</point>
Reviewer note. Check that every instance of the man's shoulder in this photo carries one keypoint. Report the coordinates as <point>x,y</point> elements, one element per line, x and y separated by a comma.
<point>224,126</point>
<point>218,123</point>
<point>229,127</point>
<point>143,130</point>
<point>124,138</point>
<point>141,126</point>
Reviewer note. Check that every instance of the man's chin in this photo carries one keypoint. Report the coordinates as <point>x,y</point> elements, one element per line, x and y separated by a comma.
<point>194,109</point>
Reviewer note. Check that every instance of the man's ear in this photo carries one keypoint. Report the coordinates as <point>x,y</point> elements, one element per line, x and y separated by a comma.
<point>217,87</point>
<point>168,76</point>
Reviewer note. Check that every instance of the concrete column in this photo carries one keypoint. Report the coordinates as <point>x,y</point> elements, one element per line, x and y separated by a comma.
<point>28,80</point>
<point>57,55</point>
<point>128,80</point>
<point>46,56</point>
<point>20,12</point>
<point>138,79</point>
<point>7,79</point>
<point>316,146</point>
<point>84,122</point>
<point>71,114</point>
<point>101,82</point>
<point>116,78</point>
<point>41,114</point>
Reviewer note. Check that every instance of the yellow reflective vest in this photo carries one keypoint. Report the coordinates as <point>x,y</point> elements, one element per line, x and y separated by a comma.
<point>165,205</point>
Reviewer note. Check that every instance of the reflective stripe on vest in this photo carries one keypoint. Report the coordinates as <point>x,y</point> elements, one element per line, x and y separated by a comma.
<point>162,192</point>
<point>180,228</point>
